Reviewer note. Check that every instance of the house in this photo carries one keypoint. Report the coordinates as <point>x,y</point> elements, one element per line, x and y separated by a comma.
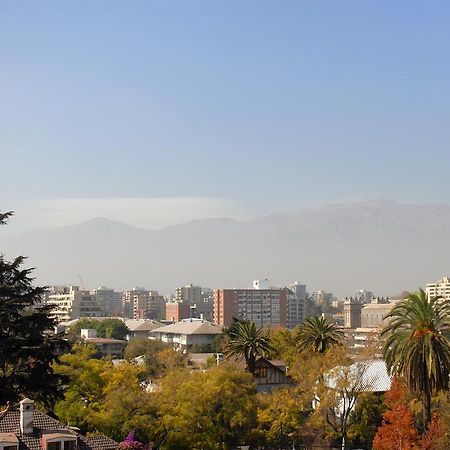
<point>140,328</point>
<point>271,374</point>
<point>188,332</point>
<point>112,348</point>
<point>28,429</point>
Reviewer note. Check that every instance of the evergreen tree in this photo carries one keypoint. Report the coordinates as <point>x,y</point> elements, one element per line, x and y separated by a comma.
<point>27,349</point>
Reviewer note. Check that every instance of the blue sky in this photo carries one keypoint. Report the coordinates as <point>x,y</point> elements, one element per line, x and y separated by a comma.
<point>237,107</point>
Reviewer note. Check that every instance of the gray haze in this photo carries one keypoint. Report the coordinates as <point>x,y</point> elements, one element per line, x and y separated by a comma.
<point>382,246</point>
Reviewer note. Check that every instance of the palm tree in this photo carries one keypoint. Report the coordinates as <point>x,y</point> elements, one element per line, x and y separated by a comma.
<point>417,345</point>
<point>246,340</point>
<point>319,335</point>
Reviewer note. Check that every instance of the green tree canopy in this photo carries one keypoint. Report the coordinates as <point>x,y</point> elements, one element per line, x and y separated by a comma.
<point>159,357</point>
<point>319,335</point>
<point>248,341</point>
<point>107,328</point>
<point>27,348</point>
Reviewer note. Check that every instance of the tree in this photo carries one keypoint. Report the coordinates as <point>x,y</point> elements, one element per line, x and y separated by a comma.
<point>248,341</point>
<point>319,335</point>
<point>108,328</point>
<point>103,397</point>
<point>417,347</point>
<point>27,349</point>
<point>281,418</point>
<point>211,410</point>
<point>159,357</point>
<point>397,431</point>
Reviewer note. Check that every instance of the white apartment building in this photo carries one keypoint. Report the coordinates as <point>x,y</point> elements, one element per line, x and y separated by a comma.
<point>295,304</point>
<point>71,303</point>
<point>110,301</point>
<point>189,294</point>
<point>322,297</point>
<point>440,288</point>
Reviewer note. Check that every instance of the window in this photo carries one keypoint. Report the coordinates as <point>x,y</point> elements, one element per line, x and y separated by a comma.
<point>70,445</point>
<point>54,446</point>
<point>9,447</point>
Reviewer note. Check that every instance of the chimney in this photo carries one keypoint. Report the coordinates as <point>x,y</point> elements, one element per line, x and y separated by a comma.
<point>26,416</point>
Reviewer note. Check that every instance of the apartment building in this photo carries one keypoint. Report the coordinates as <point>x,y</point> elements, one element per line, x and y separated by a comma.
<point>322,297</point>
<point>110,301</point>
<point>139,303</point>
<point>189,294</point>
<point>264,307</point>
<point>70,302</point>
<point>295,304</point>
<point>439,288</point>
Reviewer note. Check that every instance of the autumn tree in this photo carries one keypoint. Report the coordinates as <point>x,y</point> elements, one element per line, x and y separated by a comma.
<point>212,410</point>
<point>159,357</point>
<point>397,431</point>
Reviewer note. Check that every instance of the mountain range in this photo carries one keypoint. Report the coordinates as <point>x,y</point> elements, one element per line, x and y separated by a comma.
<point>381,246</point>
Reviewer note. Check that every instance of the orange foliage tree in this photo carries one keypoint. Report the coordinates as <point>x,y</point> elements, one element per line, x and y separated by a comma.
<point>397,431</point>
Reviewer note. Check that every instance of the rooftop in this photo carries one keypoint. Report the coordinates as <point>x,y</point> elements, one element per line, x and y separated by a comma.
<point>190,326</point>
<point>142,324</point>
<point>10,423</point>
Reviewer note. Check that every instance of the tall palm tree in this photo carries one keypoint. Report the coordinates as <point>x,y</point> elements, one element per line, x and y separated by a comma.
<point>417,345</point>
<point>246,340</point>
<point>319,335</point>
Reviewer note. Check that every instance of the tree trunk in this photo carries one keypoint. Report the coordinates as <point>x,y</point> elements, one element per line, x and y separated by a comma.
<point>426,403</point>
<point>251,364</point>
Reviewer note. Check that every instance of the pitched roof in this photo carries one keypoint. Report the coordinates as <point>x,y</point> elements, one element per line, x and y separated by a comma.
<point>366,376</point>
<point>142,324</point>
<point>10,423</point>
<point>190,326</point>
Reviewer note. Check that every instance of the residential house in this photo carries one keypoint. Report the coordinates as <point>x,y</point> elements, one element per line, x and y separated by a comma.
<point>26,428</point>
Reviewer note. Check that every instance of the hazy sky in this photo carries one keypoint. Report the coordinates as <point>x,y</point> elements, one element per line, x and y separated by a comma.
<point>158,112</point>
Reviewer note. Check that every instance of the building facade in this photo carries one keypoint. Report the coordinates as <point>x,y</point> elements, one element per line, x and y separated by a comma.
<point>264,307</point>
<point>139,303</point>
<point>295,304</point>
<point>69,302</point>
<point>352,312</point>
<point>110,301</point>
<point>439,288</point>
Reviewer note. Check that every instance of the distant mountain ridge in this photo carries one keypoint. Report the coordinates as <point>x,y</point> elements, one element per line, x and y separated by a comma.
<point>378,245</point>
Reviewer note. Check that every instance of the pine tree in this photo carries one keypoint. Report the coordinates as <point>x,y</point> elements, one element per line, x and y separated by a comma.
<point>27,346</point>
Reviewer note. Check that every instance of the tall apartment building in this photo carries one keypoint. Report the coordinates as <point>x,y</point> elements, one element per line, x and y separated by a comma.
<point>189,294</point>
<point>110,301</point>
<point>71,303</point>
<point>139,303</point>
<point>322,297</point>
<point>365,296</point>
<point>190,302</point>
<point>439,288</point>
<point>264,307</point>
<point>295,303</point>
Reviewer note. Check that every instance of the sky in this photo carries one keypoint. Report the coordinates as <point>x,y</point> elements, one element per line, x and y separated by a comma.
<point>156,112</point>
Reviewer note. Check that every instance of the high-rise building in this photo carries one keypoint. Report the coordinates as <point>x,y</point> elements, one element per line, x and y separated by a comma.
<point>71,303</point>
<point>189,294</point>
<point>110,301</point>
<point>364,296</point>
<point>322,297</point>
<point>439,288</point>
<point>264,307</point>
<point>138,303</point>
<point>295,304</point>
